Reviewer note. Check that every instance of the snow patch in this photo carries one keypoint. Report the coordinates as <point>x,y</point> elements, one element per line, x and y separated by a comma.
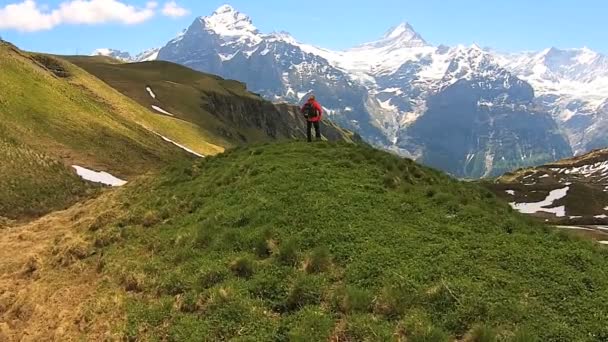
<point>160,110</point>
<point>151,92</point>
<point>532,208</point>
<point>98,177</point>
<point>181,146</point>
<point>387,105</point>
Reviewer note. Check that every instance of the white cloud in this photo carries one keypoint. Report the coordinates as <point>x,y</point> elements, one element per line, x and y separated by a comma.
<point>28,16</point>
<point>173,10</point>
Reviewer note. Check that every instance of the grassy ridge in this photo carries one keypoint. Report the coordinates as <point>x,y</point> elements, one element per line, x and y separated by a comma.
<point>53,114</point>
<point>311,242</point>
<point>178,90</point>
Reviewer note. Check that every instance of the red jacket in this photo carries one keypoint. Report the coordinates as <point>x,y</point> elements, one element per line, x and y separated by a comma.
<point>317,106</point>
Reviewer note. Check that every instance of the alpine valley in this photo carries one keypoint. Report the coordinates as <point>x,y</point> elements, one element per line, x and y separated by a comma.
<point>470,111</point>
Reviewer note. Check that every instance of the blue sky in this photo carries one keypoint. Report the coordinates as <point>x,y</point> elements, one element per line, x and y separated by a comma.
<point>507,25</point>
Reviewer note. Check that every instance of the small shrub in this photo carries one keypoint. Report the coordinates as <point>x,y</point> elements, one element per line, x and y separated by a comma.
<point>391,181</point>
<point>430,335</point>
<point>305,291</point>
<point>481,333</point>
<point>242,267</point>
<point>208,277</point>
<point>150,218</point>
<point>364,327</point>
<point>102,220</point>
<point>353,299</point>
<point>310,324</point>
<point>523,335</point>
<point>288,253</point>
<point>174,285</point>
<point>106,237</point>
<point>31,266</point>
<point>394,300</point>
<point>204,238</point>
<point>272,286</point>
<point>442,198</point>
<point>241,221</point>
<point>70,251</point>
<point>262,248</point>
<point>232,240</point>
<point>188,303</point>
<point>320,260</point>
<point>133,282</point>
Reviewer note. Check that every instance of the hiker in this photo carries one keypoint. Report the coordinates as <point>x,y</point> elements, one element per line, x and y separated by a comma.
<point>312,112</point>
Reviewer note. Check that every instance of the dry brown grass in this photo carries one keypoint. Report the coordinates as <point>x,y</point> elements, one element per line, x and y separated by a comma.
<point>49,288</point>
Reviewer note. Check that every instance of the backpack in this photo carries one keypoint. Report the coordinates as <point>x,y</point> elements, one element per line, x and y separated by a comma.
<point>310,111</point>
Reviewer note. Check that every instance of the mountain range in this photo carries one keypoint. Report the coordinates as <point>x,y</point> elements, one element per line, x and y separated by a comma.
<point>470,111</point>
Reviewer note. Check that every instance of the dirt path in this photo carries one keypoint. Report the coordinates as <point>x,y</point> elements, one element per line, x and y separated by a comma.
<point>49,284</point>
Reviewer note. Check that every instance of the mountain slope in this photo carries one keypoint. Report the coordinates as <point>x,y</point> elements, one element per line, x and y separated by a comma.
<point>571,191</point>
<point>245,245</point>
<point>225,112</point>
<point>54,115</point>
<point>571,84</point>
<point>483,121</point>
<point>383,88</point>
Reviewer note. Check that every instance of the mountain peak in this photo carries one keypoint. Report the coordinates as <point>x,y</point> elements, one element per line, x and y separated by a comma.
<point>227,21</point>
<point>402,35</point>
<point>399,30</point>
<point>224,9</point>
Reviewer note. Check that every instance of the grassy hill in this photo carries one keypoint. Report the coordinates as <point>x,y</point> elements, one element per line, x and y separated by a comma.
<point>54,114</point>
<point>298,242</point>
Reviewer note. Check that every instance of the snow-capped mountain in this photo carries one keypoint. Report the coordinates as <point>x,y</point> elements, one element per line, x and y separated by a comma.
<point>117,54</point>
<point>572,85</point>
<point>148,55</point>
<point>470,111</point>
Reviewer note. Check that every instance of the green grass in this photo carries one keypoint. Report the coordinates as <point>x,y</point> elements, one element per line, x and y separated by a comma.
<point>33,183</point>
<point>302,242</point>
<point>54,115</point>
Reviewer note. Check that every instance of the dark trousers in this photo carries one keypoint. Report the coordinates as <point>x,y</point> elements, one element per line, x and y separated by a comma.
<point>317,130</point>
